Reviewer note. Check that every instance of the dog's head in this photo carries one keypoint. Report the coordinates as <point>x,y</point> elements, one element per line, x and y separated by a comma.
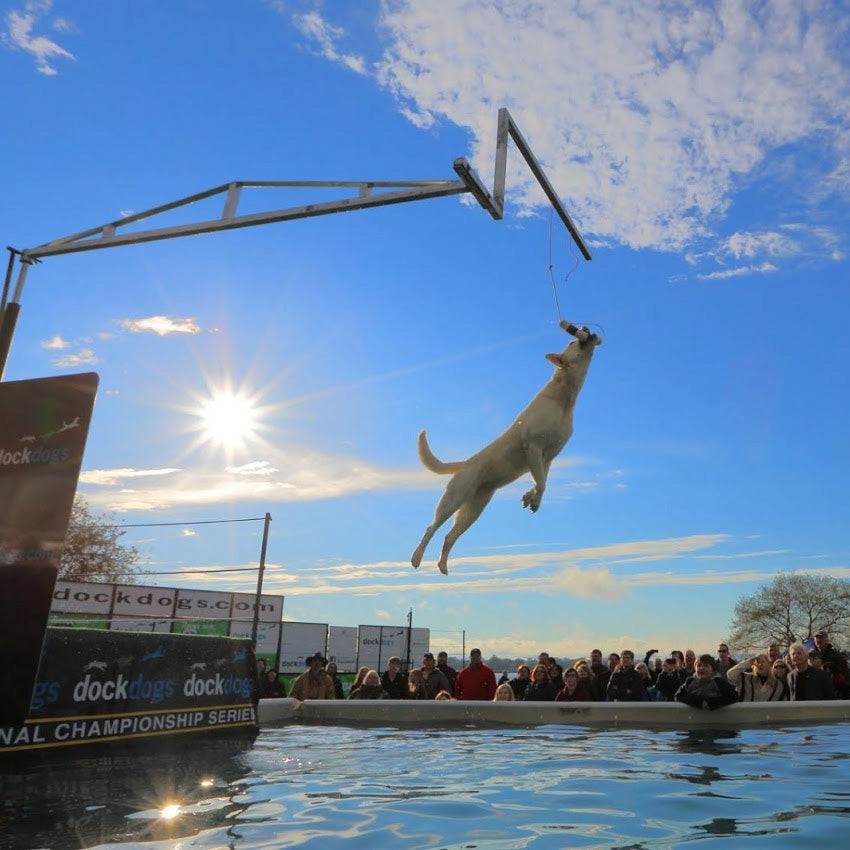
<point>572,363</point>
<point>578,352</point>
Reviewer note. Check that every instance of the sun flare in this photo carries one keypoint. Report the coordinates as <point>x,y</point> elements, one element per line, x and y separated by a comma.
<point>228,420</point>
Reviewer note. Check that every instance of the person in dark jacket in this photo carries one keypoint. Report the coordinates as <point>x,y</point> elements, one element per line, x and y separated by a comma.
<point>449,672</point>
<point>393,681</point>
<point>573,690</point>
<point>669,681</point>
<point>331,670</point>
<point>541,688</point>
<point>724,659</point>
<point>433,679</point>
<point>804,681</point>
<point>626,684</point>
<point>599,670</point>
<point>272,686</point>
<point>521,682</point>
<point>706,688</point>
<point>585,675</point>
<point>371,688</point>
<point>835,663</point>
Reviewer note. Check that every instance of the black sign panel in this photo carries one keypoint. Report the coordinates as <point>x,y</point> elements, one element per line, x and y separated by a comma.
<point>97,686</point>
<point>43,429</point>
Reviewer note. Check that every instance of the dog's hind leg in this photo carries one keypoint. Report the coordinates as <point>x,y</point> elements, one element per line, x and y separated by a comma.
<point>469,511</point>
<point>447,505</point>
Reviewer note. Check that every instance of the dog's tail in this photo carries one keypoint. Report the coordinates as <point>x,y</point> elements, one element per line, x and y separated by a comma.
<point>432,463</point>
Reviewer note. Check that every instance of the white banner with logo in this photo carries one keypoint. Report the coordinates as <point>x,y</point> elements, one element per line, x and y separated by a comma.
<point>342,648</point>
<point>298,641</point>
<point>377,644</point>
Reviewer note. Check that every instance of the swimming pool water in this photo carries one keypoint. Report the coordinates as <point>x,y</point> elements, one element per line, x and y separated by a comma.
<point>549,787</point>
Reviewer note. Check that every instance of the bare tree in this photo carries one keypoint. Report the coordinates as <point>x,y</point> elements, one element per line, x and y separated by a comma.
<point>792,608</point>
<point>93,551</point>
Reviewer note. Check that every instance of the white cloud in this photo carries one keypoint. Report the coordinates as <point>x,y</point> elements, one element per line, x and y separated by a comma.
<point>84,357</point>
<point>645,115</point>
<point>257,467</point>
<point>740,271</point>
<point>296,474</point>
<point>18,35</point>
<point>161,325</point>
<point>188,532</point>
<point>55,343</point>
<point>107,477</point>
<point>326,36</point>
<point>749,245</point>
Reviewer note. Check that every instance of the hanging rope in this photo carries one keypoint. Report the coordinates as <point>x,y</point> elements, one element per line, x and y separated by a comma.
<point>551,273</point>
<point>570,328</point>
<point>551,267</point>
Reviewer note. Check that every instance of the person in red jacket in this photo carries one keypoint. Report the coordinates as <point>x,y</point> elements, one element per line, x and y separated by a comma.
<point>476,681</point>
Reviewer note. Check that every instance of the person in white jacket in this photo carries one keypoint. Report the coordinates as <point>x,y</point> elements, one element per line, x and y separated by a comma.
<point>754,680</point>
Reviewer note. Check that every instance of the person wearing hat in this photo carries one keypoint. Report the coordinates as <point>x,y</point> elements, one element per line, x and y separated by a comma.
<point>315,683</point>
<point>476,681</point>
<point>835,663</point>
<point>433,680</point>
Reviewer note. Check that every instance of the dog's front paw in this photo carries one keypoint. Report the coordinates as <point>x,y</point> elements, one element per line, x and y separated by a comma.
<point>531,500</point>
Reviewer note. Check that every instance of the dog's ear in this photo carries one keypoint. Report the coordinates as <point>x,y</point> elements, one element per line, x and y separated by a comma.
<point>556,360</point>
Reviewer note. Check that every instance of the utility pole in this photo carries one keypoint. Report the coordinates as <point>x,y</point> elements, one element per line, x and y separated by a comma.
<point>262,569</point>
<point>409,637</point>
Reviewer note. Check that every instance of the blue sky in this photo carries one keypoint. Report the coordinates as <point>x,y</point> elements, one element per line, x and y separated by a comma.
<point>703,151</point>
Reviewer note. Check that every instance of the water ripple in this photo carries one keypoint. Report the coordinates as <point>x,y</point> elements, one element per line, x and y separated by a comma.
<point>553,787</point>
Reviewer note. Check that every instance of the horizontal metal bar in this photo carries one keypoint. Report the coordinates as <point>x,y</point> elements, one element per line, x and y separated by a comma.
<point>478,189</point>
<point>440,189</point>
<point>543,180</point>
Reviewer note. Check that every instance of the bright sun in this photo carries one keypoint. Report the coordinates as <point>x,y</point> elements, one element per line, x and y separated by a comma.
<point>229,420</point>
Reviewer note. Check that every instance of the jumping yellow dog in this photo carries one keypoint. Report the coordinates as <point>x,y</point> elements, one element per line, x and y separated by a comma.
<point>529,445</point>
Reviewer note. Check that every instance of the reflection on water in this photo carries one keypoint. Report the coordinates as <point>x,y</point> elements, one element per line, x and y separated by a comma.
<point>550,787</point>
<point>80,802</point>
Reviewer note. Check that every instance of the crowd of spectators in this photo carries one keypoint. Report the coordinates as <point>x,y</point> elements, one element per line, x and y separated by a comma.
<point>704,681</point>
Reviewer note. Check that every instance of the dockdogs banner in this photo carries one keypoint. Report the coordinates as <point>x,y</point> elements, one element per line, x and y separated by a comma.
<point>96,686</point>
<point>43,428</point>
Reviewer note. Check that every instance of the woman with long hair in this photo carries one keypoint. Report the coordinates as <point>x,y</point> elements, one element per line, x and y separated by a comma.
<point>780,669</point>
<point>587,677</point>
<point>504,693</point>
<point>541,688</point>
<point>416,685</point>
<point>755,680</point>
<point>358,680</point>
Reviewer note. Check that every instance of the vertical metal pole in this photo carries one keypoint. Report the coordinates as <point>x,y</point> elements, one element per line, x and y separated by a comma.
<point>463,648</point>
<point>259,595</point>
<point>8,281</point>
<point>8,314</point>
<point>502,129</point>
<point>409,638</point>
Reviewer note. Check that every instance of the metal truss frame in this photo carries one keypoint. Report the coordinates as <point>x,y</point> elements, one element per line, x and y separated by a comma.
<point>369,194</point>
